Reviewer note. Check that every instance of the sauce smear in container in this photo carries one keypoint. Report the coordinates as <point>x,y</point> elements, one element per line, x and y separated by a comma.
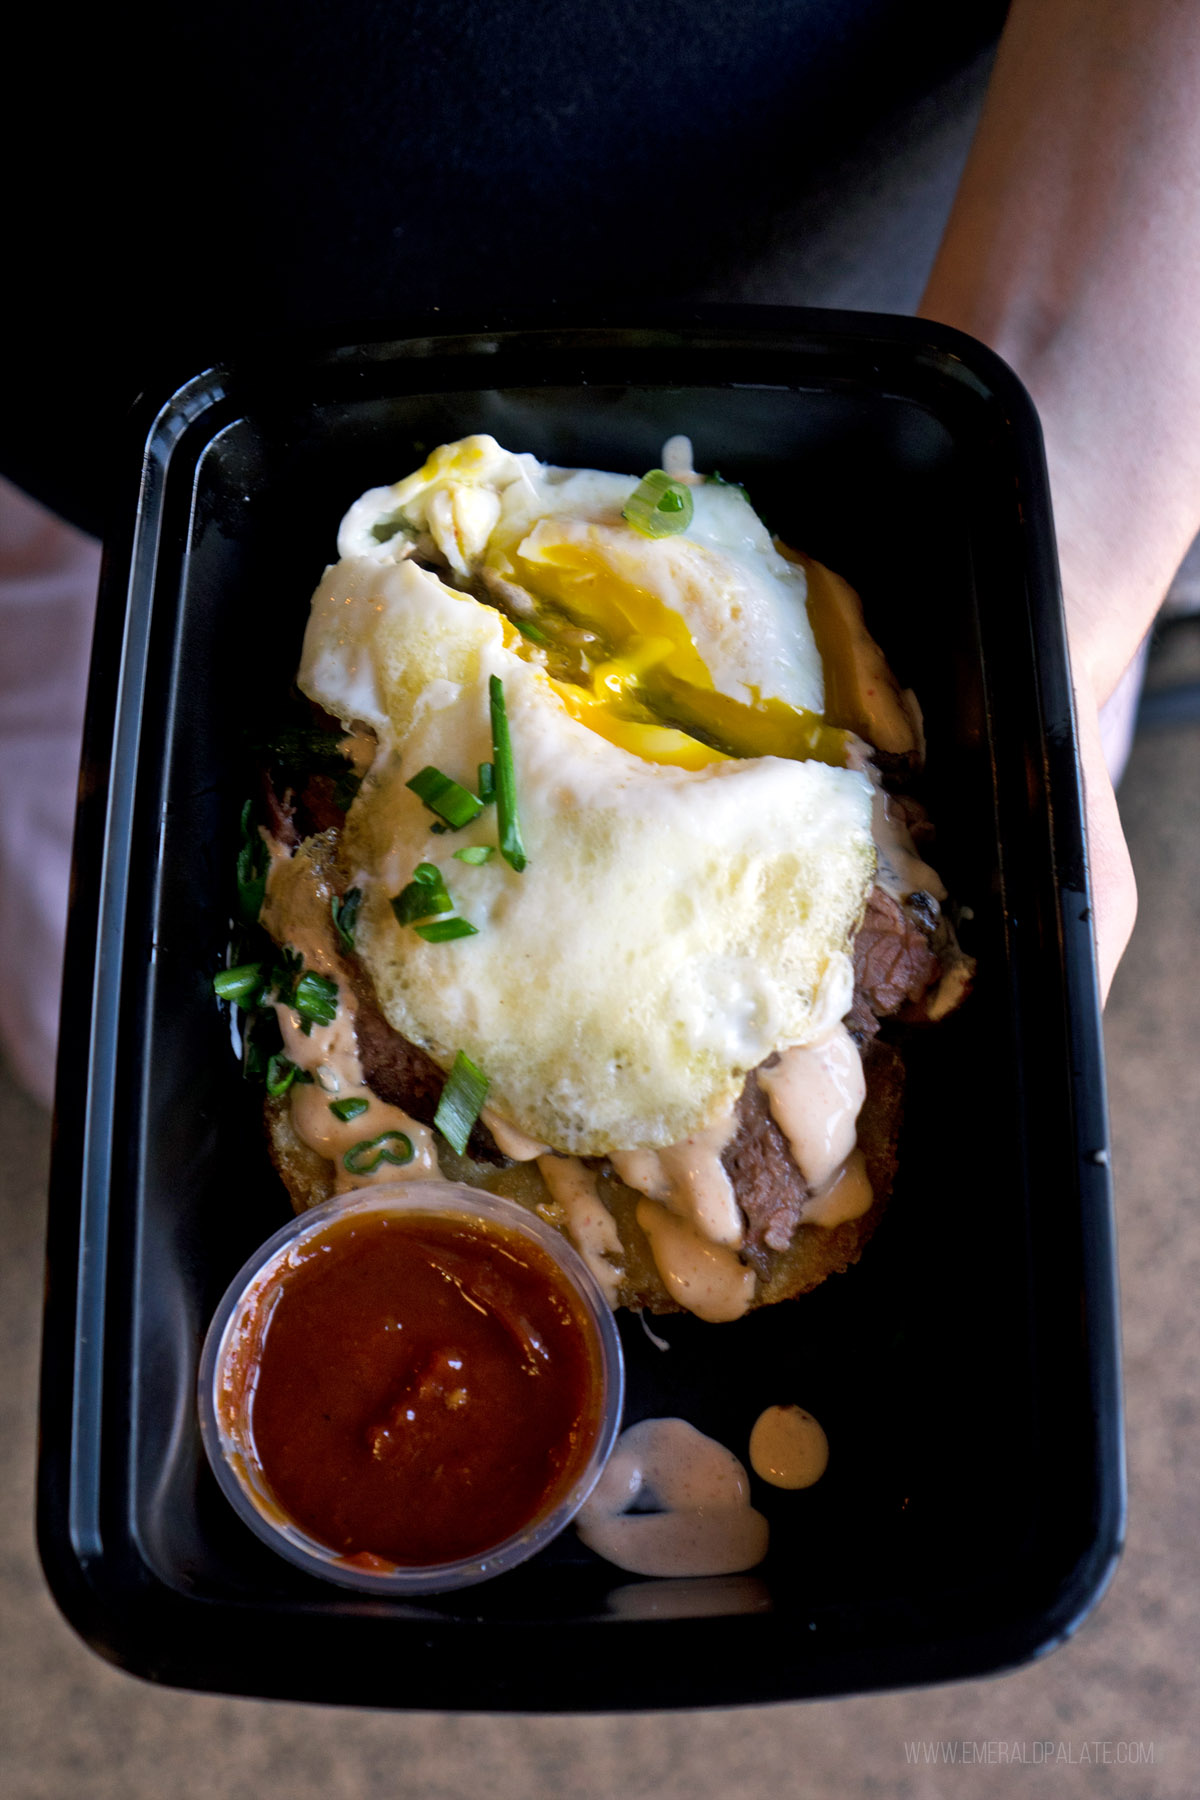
<point>411,1391</point>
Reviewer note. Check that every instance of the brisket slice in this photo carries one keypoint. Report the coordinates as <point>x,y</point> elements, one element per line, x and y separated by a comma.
<point>401,1072</point>
<point>281,815</point>
<point>893,962</point>
<point>770,1189</point>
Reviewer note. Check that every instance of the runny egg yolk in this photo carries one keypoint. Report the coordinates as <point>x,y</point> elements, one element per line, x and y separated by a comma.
<point>639,681</point>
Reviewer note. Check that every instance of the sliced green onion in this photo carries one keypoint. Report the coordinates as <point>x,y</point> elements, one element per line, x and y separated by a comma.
<point>659,506</point>
<point>254,1057</point>
<point>443,931</point>
<point>285,974</point>
<point>345,915</point>
<point>448,799</point>
<point>461,1102</point>
<point>238,984</point>
<point>512,847</point>
<point>261,1040</point>
<point>281,1072</point>
<point>315,999</point>
<point>424,896</point>
<point>475,853</point>
<point>348,1109</point>
<point>359,1160</point>
<point>487,783</point>
<point>534,633</point>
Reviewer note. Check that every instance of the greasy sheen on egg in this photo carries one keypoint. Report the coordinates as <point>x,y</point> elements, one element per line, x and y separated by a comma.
<point>560,531</point>
<point>673,926</point>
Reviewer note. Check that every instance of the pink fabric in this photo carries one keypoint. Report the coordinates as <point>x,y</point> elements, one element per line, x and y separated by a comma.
<point>48,578</point>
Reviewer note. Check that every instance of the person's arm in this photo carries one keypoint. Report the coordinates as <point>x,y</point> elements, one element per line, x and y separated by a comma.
<point>1073,249</point>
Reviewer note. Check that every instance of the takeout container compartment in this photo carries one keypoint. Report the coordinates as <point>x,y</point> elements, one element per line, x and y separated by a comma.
<point>965,1372</point>
<point>225,1392</point>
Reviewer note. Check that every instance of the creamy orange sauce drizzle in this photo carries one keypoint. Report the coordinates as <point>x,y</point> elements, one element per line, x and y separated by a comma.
<point>706,1278</point>
<point>815,1092</point>
<point>690,1179</point>
<point>704,1523</point>
<point>591,1226</point>
<point>330,1054</point>
<point>517,1145</point>
<point>788,1447</point>
<point>848,1196</point>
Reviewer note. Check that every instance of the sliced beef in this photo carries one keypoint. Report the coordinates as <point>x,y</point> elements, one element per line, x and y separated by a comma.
<point>893,960</point>
<point>281,815</point>
<point>770,1189</point>
<point>320,805</point>
<point>400,1072</point>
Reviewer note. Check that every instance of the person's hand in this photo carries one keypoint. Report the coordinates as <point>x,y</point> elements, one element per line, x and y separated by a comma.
<point>1072,250</point>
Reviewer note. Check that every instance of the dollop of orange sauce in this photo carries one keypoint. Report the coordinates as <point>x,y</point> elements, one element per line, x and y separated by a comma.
<point>418,1388</point>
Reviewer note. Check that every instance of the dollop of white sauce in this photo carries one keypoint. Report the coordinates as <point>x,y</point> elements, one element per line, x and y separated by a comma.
<point>788,1447</point>
<point>703,1523</point>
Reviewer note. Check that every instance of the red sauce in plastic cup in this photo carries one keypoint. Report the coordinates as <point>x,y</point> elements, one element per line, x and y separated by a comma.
<point>411,1388</point>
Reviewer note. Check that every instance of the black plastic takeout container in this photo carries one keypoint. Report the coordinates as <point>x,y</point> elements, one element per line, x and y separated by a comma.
<point>966,1371</point>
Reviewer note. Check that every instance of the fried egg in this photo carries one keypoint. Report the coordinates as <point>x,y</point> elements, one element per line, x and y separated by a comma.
<point>697,856</point>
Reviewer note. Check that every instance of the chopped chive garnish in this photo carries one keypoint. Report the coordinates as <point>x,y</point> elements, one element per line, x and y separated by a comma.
<point>238,984</point>
<point>533,632</point>
<point>315,999</point>
<point>461,1102</point>
<point>475,853</point>
<point>659,506</point>
<point>487,783</point>
<point>360,1161</point>
<point>285,974</point>
<point>345,915</point>
<point>443,931</point>
<point>348,1109</point>
<point>281,1072</point>
<point>512,848</point>
<point>424,896</point>
<point>448,799</point>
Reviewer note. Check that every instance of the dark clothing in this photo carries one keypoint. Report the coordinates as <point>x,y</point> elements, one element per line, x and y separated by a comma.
<point>237,169</point>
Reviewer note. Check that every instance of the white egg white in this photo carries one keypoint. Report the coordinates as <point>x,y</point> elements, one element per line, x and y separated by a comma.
<point>674,925</point>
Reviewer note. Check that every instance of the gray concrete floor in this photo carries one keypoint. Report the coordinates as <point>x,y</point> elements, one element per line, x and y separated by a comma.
<point>72,1726</point>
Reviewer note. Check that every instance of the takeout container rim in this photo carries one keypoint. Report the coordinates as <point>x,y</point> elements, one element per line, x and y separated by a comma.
<point>174,397</point>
